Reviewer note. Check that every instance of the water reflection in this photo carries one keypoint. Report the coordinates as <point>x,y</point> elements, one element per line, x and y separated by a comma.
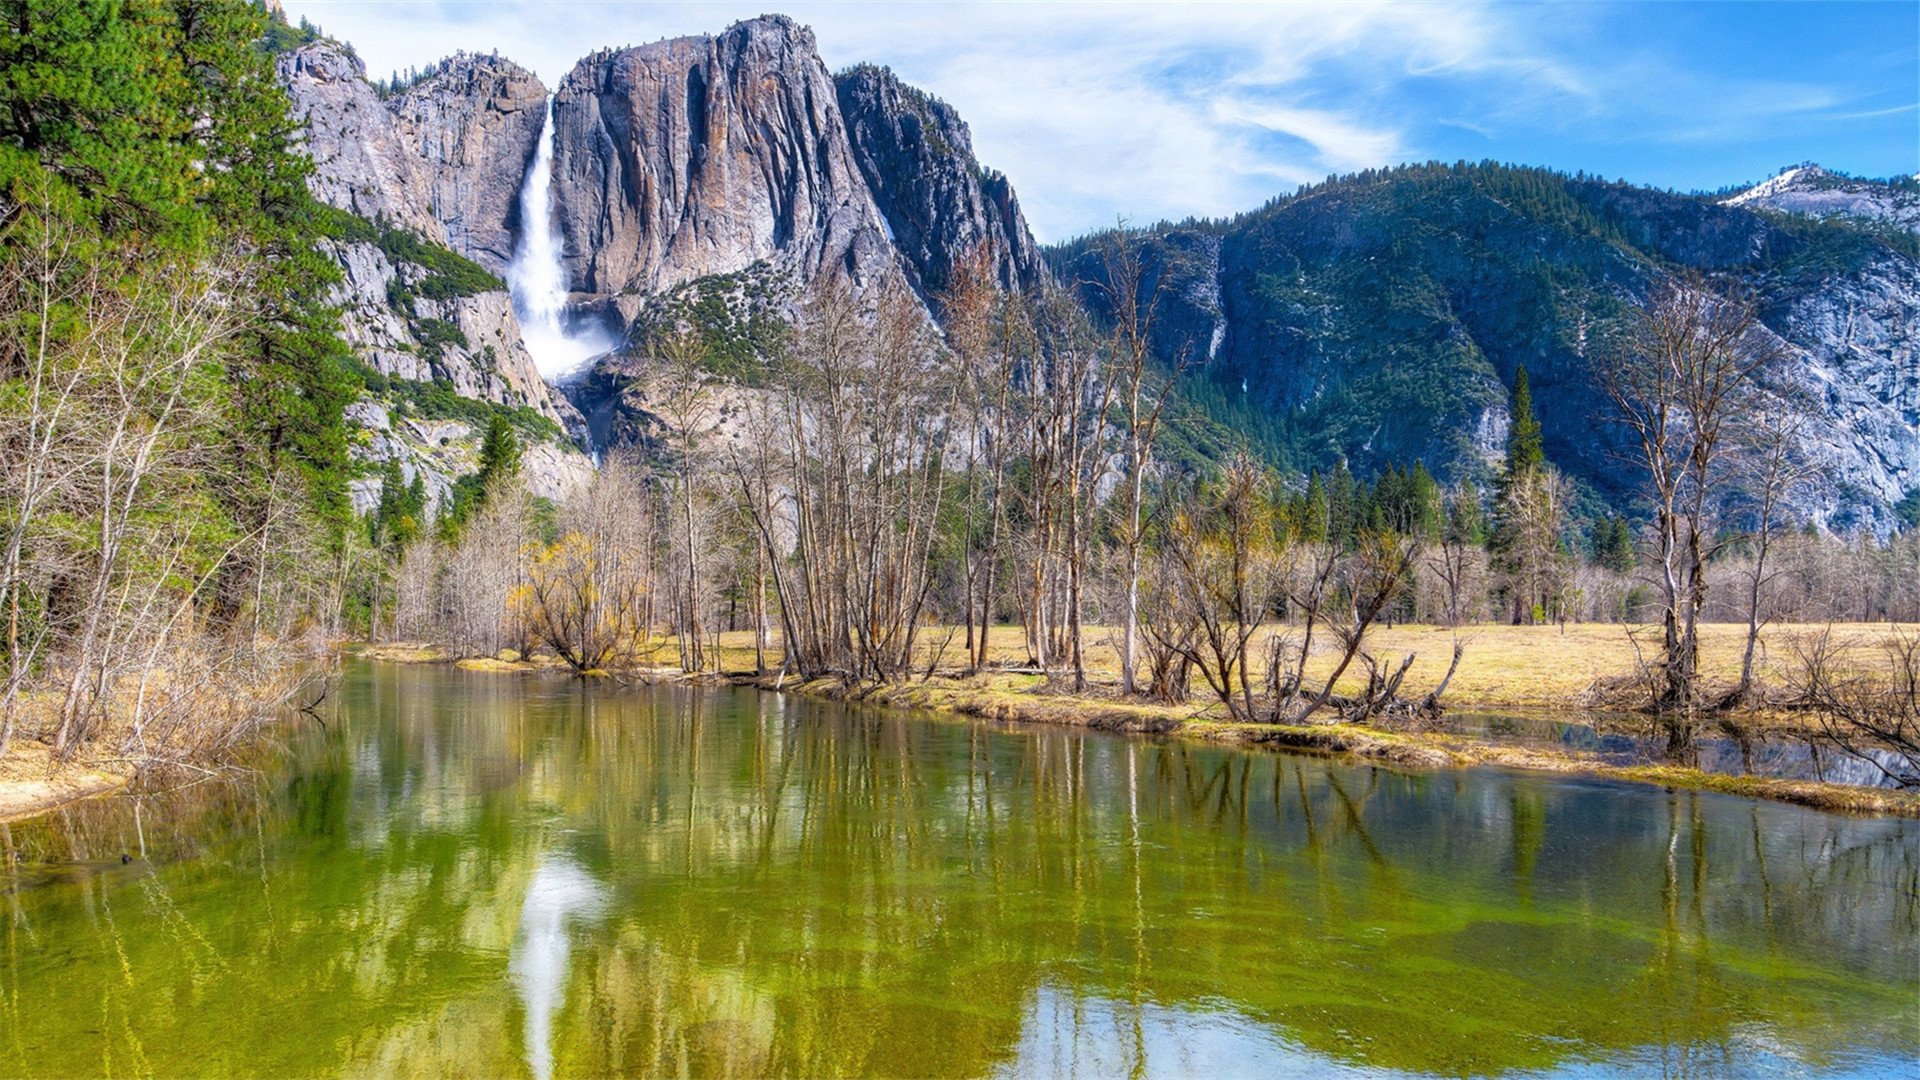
<point>726,884</point>
<point>561,893</point>
<point>1614,739</point>
<point>1066,1034</point>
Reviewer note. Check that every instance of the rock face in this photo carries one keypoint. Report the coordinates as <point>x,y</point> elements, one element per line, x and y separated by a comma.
<point>702,155</point>
<point>472,125</point>
<point>402,166</point>
<point>1812,190</point>
<point>1856,337</point>
<point>941,206</point>
<point>471,343</point>
<point>441,450</point>
<point>362,161</point>
<point>690,175</point>
<point>435,173</point>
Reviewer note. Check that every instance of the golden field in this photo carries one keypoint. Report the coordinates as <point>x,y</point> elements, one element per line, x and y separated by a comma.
<point>1536,667</point>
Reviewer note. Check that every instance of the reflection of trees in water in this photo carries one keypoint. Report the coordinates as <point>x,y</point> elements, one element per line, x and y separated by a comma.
<point>794,886</point>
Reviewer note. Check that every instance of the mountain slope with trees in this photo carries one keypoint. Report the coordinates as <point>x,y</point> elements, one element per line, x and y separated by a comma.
<point>1381,317</point>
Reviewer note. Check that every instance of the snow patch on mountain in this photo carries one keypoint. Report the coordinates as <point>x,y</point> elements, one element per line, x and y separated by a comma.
<point>1817,192</point>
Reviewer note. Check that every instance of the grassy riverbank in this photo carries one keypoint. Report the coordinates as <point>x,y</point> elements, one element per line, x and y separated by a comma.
<point>1523,669</point>
<point>191,718</point>
<point>1537,670</point>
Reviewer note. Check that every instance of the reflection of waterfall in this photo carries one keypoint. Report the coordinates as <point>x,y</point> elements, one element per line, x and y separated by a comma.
<point>560,893</point>
<point>537,279</point>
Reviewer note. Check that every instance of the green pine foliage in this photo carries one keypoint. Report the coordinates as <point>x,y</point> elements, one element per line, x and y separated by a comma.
<point>401,514</point>
<point>735,316</point>
<point>1907,510</point>
<point>1613,544</point>
<point>1466,516</point>
<point>499,463</point>
<point>92,93</point>
<point>158,132</point>
<point>1525,450</point>
<point>1407,501</point>
<point>438,401</point>
<point>443,274</point>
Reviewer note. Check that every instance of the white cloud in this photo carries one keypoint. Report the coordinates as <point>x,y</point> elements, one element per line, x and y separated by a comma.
<point>1168,110</point>
<point>1094,110</point>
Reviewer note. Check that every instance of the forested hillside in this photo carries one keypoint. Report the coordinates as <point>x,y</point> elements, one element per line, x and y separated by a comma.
<point>1381,317</point>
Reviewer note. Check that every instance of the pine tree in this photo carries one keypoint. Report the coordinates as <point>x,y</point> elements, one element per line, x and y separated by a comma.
<point>499,453</point>
<point>1613,544</point>
<point>398,519</point>
<point>1343,507</point>
<point>160,130</point>
<point>293,378</point>
<point>1466,518</point>
<point>1312,519</point>
<point>88,97</point>
<point>499,463</point>
<point>1525,452</point>
<point>1526,542</point>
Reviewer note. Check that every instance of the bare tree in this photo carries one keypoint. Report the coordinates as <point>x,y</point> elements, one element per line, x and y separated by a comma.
<point>586,594</point>
<point>1373,576</point>
<point>846,484</point>
<point>1460,562</point>
<point>1533,557</point>
<point>1872,715</point>
<point>1224,555</point>
<point>1063,415</point>
<point>45,437</point>
<point>153,355</point>
<point>987,329</point>
<point>1770,473</point>
<point>688,410</point>
<point>1686,372</point>
<point>480,575</point>
<point>1132,302</point>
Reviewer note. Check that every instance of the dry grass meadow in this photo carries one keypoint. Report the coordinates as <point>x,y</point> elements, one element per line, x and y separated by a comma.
<point>1525,667</point>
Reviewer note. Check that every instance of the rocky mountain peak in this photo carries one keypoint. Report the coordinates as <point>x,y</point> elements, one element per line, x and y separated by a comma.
<point>702,155</point>
<point>941,205</point>
<point>1817,192</point>
<point>473,123</point>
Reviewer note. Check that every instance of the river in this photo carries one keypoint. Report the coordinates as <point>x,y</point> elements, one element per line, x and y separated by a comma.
<point>466,873</point>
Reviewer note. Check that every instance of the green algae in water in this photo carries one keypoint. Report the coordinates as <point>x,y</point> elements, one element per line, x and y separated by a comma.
<point>469,874</point>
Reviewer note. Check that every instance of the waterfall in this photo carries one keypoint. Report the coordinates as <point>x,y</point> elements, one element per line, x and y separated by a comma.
<point>537,279</point>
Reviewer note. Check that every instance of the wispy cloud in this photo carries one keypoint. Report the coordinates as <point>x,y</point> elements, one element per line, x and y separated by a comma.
<point>1098,110</point>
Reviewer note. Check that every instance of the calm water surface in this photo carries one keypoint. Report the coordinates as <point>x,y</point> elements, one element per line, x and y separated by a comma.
<point>470,874</point>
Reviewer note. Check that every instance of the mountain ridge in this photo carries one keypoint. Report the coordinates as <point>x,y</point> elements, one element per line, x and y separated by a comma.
<point>1370,320</point>
<point>1380,318</point>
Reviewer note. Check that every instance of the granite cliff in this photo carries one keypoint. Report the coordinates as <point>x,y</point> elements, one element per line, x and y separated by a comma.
<point>941,205</point>
<point>423,184</point>
<point>702,155</point>
<point>472,124</point>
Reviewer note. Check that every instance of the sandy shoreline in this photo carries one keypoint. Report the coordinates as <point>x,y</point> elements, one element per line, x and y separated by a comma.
<point>33,781</point>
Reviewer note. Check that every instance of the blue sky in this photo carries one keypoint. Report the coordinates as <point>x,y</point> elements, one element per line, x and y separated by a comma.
<point>1099,111</point>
